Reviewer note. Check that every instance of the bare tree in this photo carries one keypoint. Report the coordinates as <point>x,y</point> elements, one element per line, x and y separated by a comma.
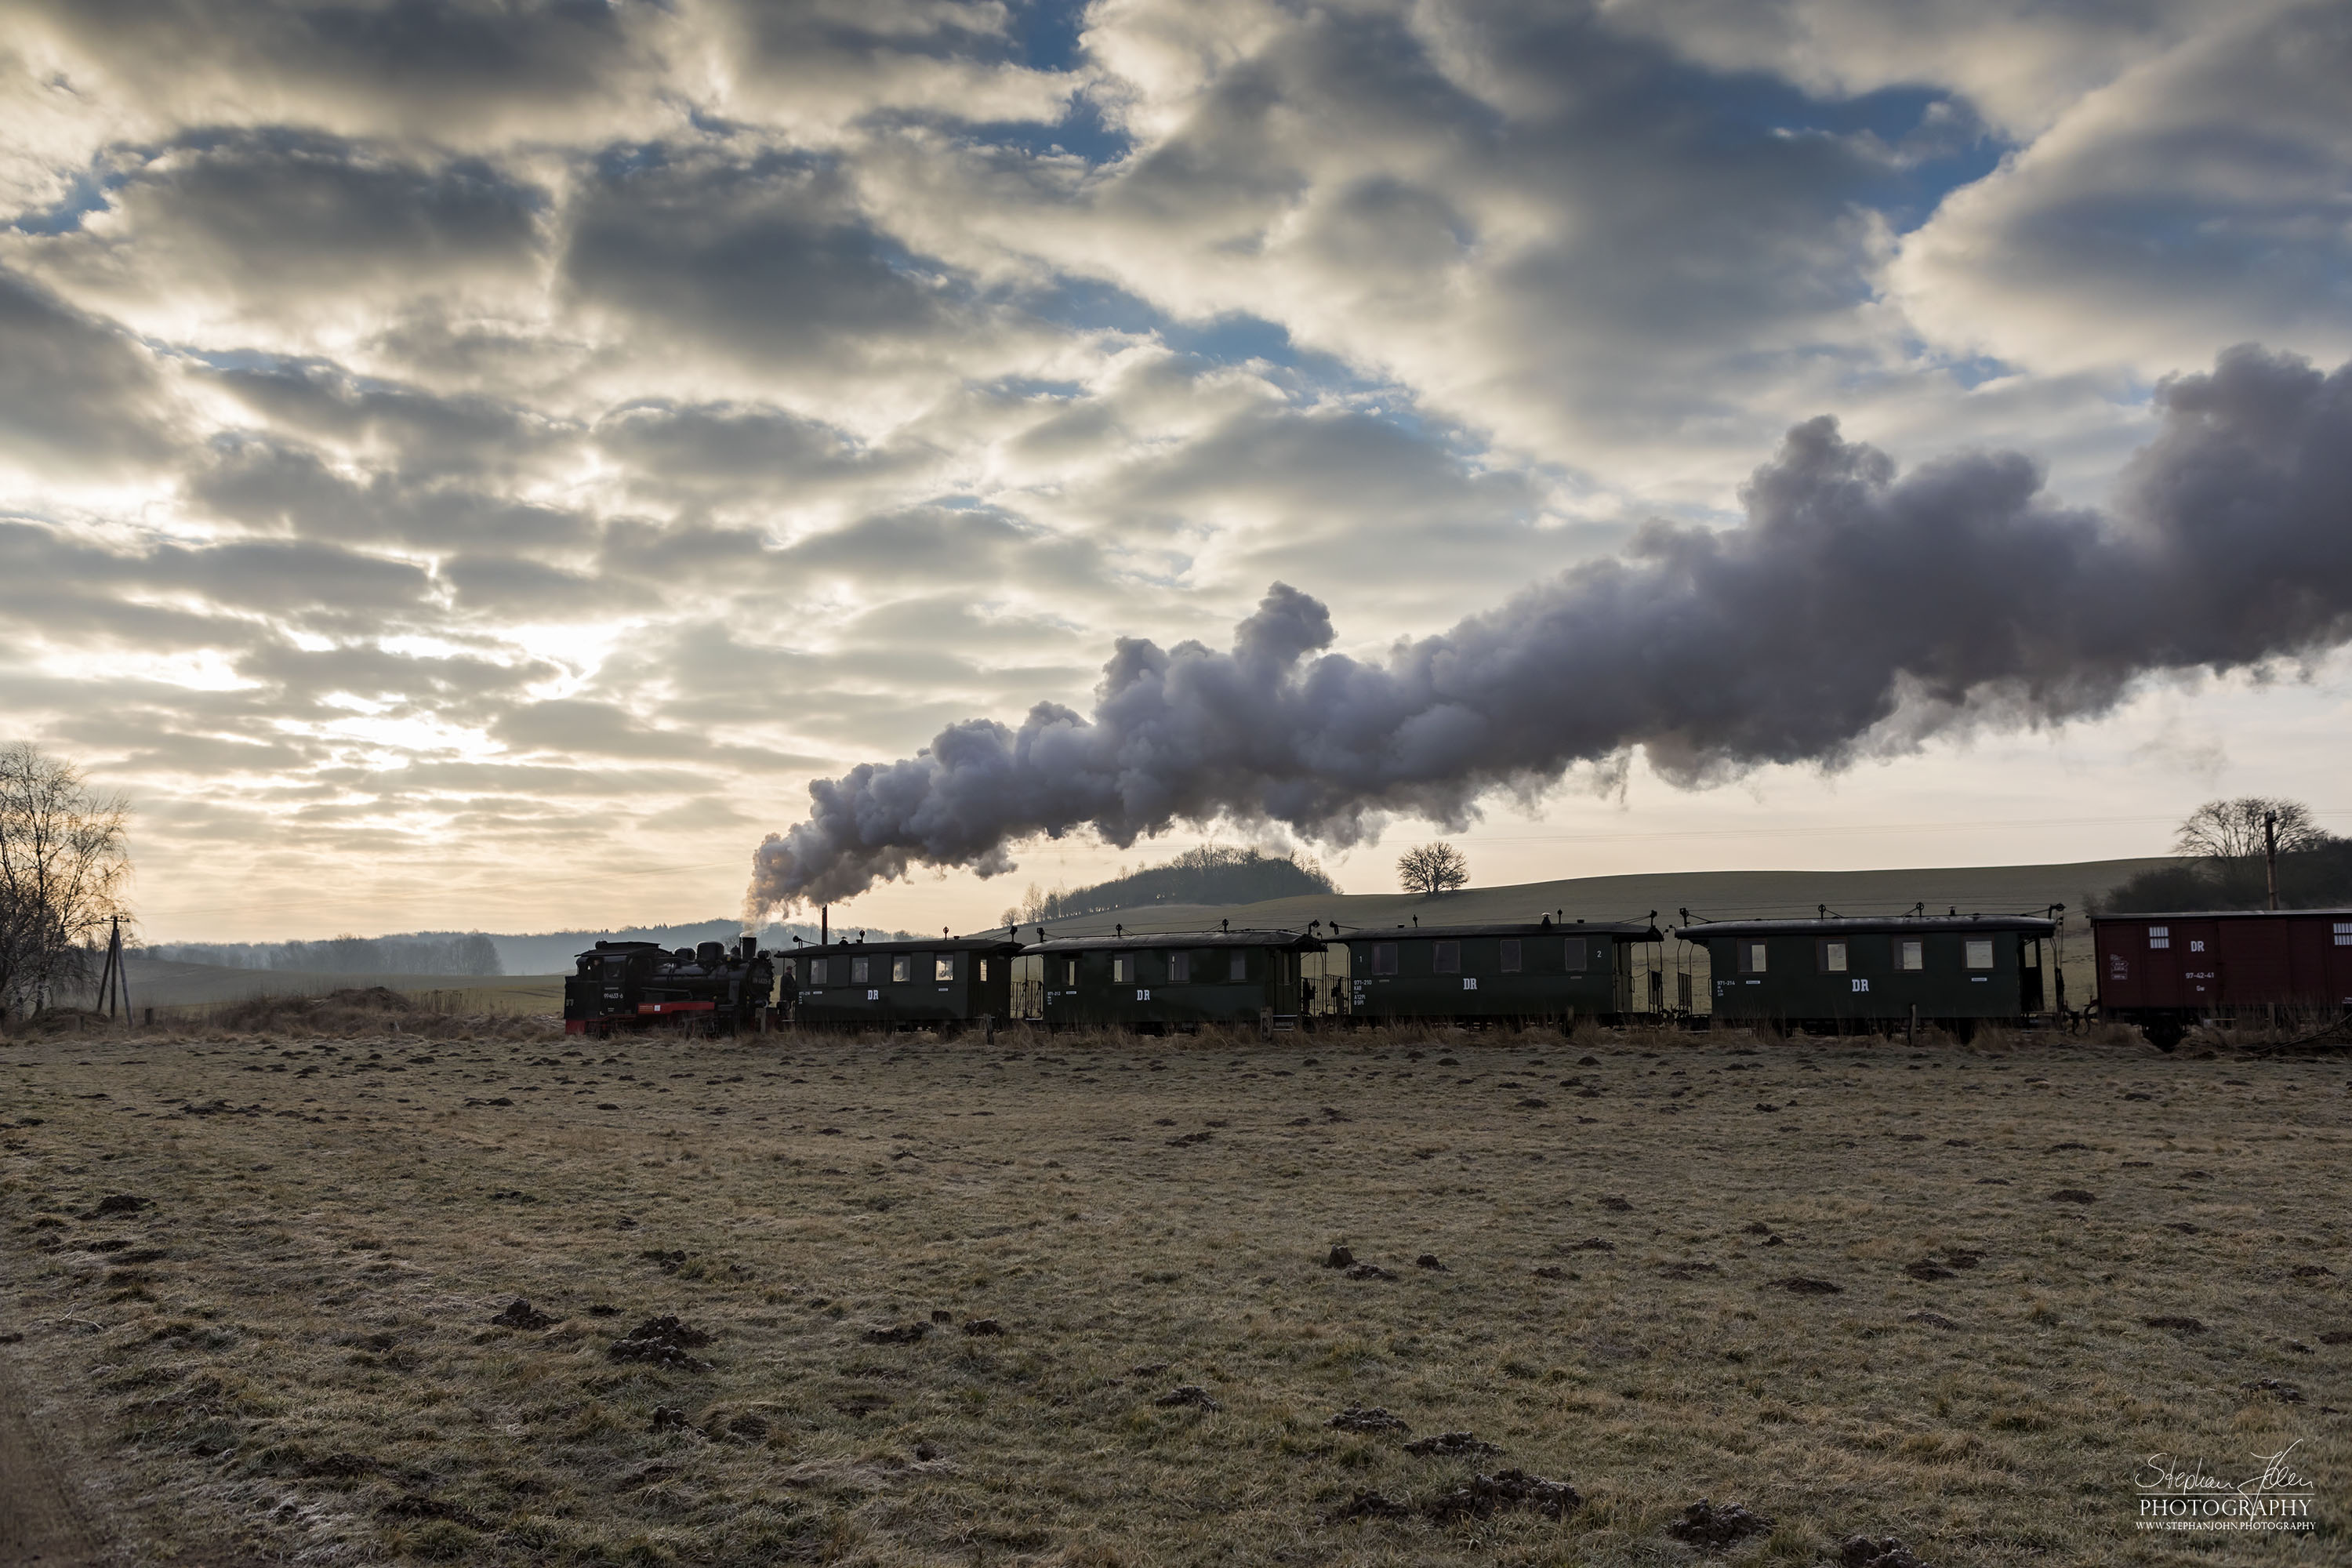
<point>1432,869</point>
<point>63,861</point>
<point>2232,829</point>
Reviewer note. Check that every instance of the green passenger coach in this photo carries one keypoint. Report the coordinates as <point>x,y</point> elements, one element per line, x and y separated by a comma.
<point>895,984</point>
<point>1845,974</point>
<point>1172,979</point>
<point>1544,970</point>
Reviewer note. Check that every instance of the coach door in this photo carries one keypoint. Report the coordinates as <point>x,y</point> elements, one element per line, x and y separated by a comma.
<point>2197,952</point>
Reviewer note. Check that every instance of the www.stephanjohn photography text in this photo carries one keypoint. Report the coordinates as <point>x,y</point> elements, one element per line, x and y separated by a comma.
<point>2177,1494</point>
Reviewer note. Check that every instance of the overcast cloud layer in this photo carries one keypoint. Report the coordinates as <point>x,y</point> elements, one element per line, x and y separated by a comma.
<point>466,448</point>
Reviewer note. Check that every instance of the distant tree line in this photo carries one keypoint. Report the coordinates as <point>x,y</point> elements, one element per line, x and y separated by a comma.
<point>469,953</point>
<point>1212,874</point>
<point>2224,866</point>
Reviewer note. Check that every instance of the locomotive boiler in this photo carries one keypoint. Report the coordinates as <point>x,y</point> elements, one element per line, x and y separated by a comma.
<point>713,988</point>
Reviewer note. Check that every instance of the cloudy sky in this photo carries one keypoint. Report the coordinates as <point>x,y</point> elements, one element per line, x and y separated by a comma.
<point>472,464</point>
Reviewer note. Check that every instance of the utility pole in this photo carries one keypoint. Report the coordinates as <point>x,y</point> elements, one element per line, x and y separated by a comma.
<point>2270,853</point>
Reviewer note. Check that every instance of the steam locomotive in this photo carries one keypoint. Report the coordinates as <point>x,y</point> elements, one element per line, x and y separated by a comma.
<point>710,989</point>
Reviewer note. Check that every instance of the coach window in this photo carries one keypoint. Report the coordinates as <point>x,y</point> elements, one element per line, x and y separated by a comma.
<point>1832,956</point>
<point>983,972</point>
<point>1384,958</point>
<point>860,970</point>
<point>2344,933</point>
<point>943,966</point>
<point>902,968</point>
<point>1070,973</point>
<point>1911,954</point>
<point>2159,936</point>
<point>1180,968</point>
<point>1751,957</point>
<point>1447,959</point>
<point>816,972</point>
<point>1238,966</point>
<point>1577,950</point>
<point>1980,952</point>
<point>1510,956</point>
<point>1122,969</point>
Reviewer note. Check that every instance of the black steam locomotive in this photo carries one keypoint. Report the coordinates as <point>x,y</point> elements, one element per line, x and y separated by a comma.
<point>710,989</point>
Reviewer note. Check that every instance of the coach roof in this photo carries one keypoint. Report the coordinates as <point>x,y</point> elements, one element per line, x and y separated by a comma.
<point>1633,931</point>
<point>1892,925</point>
<point>1288,940</point>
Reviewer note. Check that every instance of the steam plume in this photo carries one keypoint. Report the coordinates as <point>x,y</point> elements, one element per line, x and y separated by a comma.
<point>1855,606</point>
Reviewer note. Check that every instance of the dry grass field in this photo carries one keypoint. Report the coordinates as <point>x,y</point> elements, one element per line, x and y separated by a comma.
<point>257,1295</point>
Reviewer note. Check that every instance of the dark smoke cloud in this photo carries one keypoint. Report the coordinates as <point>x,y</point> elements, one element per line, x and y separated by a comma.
<point>1851,597</point>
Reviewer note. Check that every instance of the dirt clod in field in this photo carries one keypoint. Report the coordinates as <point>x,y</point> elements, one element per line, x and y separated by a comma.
<point>1688,1271</point>
<point>2286,1391</point>
<point>2073,1196</point>
<point>662,1342</point>
<point>1616,1205</point>
<point>667,1262</point>
<point>942,1315</point>
<point>1957,1258</point>
<point>1429,1261</point>
<point>1483,1495</point>
<point>1149,1369</point>
<point>1368,1271</point>
<point>669,1418</point>
<point>1933,1320</point>
<point>604,1309</point>
<point>1369,1505</point>
<point>520,1314</point>
<point>984,1328</point>
<point>1188,1140</point>
<point>1880,1552</point>
<point>1928,1269</point>
<point>1189,1395</point>
<point>898,1334</point>
<point>2336,1337</point>
<point>2313,1271</point>
<point>1553,1271</point>
<point>2179,1324</point>
<point>1341,1258</point>
<point>1355,1419</point>
<point>1588,1061</point>
<point>1590,1244</point>
<point>1799,1285</point>
<point>1704,1525</point>
<point>1758,1228</point>
<point>1532,1104</point>
<point>2062,1148</point>
<point>1450,1445</point>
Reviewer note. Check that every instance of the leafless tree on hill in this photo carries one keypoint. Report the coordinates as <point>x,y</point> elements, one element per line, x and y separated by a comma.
<point>2232,829</point>
<point>63,863</point>
<point>1433,868</point>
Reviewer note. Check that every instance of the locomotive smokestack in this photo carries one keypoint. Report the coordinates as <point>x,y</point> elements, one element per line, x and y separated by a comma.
<point>1856,611</point>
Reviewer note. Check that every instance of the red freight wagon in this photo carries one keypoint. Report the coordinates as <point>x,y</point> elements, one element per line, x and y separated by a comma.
<point>2164,973</point>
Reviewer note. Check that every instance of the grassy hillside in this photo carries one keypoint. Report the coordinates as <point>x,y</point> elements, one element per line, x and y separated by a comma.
<point>162,983</point>
<point>1709,895</point>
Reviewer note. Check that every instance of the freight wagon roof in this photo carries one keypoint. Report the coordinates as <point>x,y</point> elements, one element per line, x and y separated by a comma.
<point>2223,915</point>
<point>1288,941</point>
<point>1634,929</point>
<point>1868,925</point>
<point>988,945</point>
